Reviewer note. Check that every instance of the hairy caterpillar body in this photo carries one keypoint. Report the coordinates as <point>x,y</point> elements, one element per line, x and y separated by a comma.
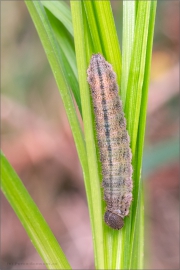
<point>113,141</point>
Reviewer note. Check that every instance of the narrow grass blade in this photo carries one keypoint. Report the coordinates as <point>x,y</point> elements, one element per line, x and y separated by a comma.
<point>51,48</point>
<point>93,27</point>
<point>66,49</point>
<point>137,69</point>
<point>61,11</point>
<point>132,244</point>
<point>129,8</point>
<point>147,39</point>
<point>101,23</point>
<point>129,20</point>
<point>31,218</point>
<point>94,194</point>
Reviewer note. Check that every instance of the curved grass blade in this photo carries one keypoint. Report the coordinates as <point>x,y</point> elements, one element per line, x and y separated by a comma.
<point>31,218</point>
<point>61,11</point>
<point>66,49</point>
<point>50,45</point>
<point>60,19</point>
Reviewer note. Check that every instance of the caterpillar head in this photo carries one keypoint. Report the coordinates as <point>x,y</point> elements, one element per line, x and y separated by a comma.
<point>113,220</point>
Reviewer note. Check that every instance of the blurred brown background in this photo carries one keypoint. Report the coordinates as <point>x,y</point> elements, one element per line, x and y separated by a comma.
<point>37,140</point>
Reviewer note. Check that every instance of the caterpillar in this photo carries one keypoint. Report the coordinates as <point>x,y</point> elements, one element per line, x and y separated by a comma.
<point>113,141</point>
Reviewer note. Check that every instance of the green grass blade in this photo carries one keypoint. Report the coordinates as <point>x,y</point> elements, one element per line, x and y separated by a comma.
<point>51,48</point>
<point>66,49</point>
<point>31,218</point>
<point>129,8</point>
<point>92,24</point>
<point>129,15</point>
<point>61,11</point>
<point>107,44</point>
<point>60,19</point>
<point>94,193</point>
<point>138,76</point>
<point>137,68</point>
<point>150,10</point>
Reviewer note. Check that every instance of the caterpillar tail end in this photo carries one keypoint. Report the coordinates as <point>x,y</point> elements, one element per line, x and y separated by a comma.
<point>113,220</point>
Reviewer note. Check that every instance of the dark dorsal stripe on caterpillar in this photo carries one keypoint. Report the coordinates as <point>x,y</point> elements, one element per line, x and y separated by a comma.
<point>113,141</point>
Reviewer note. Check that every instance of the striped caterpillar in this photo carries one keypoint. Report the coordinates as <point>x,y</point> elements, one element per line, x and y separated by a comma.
<point>113,141</point>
